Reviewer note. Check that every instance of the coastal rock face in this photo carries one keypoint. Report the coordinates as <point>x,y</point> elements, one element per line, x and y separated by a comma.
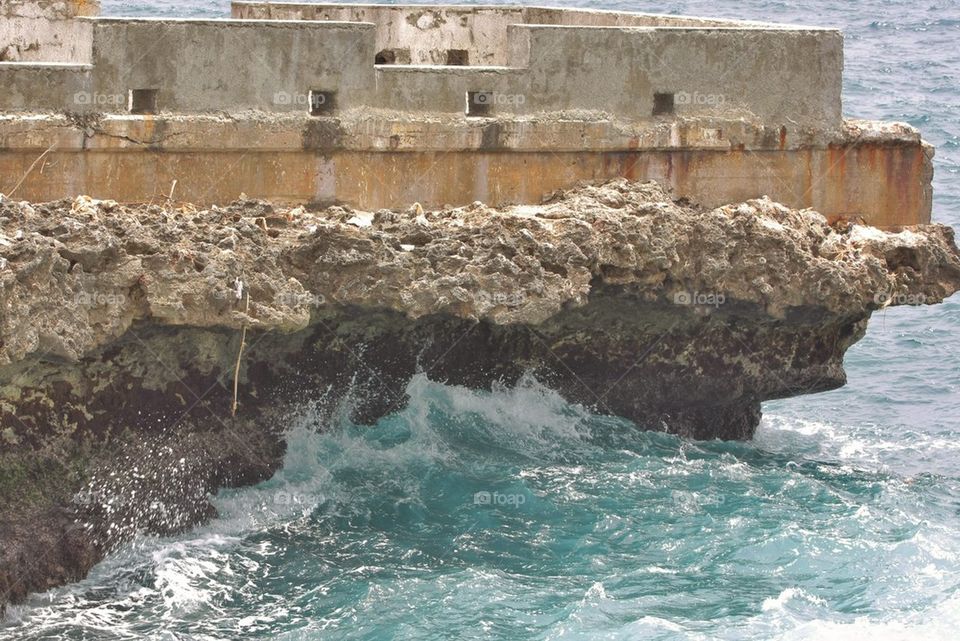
<point>121,331</point>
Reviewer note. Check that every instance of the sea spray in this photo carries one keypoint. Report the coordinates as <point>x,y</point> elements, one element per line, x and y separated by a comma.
<point>374,532</point>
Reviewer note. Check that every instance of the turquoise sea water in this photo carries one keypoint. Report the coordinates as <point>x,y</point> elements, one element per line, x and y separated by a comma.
<point>514,515</point>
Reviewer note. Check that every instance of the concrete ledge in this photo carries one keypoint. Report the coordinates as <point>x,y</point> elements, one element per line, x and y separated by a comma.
<point>32,64</point>
<point>233,23</point>
<point>531,14</point>
<point>450,70</point>
<point>379,130</point>
<point>382,130</point>
<point>880,173</point>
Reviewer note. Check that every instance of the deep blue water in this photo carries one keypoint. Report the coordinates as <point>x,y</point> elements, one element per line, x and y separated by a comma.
<point>840,520</point>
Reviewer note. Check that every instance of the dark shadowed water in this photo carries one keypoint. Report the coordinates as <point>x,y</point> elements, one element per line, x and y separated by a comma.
<point>514,515</point>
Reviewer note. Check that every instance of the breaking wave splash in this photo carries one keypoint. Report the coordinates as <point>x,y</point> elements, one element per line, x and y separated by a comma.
<point>513,514</point>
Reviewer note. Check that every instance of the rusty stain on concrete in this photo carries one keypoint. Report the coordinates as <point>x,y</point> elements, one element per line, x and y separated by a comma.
<point>838,181</point>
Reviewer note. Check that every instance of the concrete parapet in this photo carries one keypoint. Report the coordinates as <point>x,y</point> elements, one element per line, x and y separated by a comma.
<point>419,35</point>
<point>37,86</point>
<point>232,65</point>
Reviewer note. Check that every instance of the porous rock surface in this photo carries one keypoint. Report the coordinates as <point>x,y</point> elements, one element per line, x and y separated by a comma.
<point>120,329</point>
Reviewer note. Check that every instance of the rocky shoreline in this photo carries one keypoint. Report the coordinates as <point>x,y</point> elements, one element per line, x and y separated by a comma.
<point>121,332</point>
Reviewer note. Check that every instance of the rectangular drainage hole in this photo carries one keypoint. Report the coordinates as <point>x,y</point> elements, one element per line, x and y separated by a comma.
<point>458,57</point>
<point>322,103</point>
<point>479,103</point>
<point>662,104</point>
<point>392,57</point>
<point>143,101</point>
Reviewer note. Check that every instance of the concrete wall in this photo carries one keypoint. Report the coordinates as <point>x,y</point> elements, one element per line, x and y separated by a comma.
<point>232,65</point>
<point>787,78</point>
<point>784,75</point>
<point>776,76</point>
<point>422,35</point>
<point>426,32</point>
<point>36,87</point>
<point>444,89</point>
<point>46,30</point>
<point>200,66</point>
<point>790,77</point>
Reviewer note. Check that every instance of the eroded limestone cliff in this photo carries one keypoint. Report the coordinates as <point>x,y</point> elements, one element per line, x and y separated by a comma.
<point>120,329</point>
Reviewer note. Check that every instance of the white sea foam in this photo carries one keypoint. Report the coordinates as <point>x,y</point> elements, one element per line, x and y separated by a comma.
<point>937,624</point>
<point>788,595</point>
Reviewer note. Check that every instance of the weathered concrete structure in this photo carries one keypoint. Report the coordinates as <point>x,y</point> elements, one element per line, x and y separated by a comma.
<point>380,106</point>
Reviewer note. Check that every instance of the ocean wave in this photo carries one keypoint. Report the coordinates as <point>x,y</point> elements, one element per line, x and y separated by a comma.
<point>516,513</point>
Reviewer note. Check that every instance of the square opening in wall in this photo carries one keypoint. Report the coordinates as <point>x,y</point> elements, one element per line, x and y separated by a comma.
<point>392,57</point>
<point>143,101</point>
<point>662,104</point>
<point>479,103</point>
<point>386,57</point>
<point>322,103</point>
<point>458,57</point>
